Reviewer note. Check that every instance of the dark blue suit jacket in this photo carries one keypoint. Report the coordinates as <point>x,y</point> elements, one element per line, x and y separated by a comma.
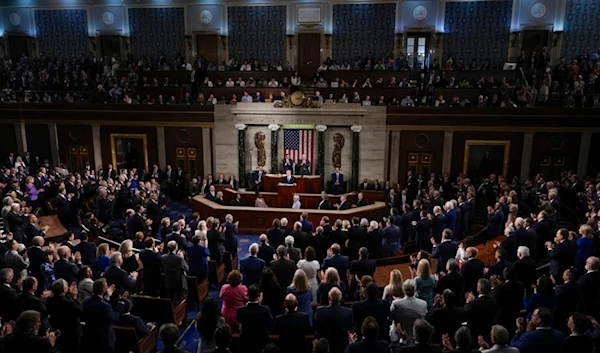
<point>198,262</point>
<point>128,320</point>
<point>539,341</point>
<point>87,249</point>
<point>340,263</point>
<point>99,330</point>
<point>66,270</point>
<point>391,238</point>
<point>450,221</point>
<point>437,226</point>
<point>333,323</point>
<point>443,252</point>
<point>495,224</point>
<point>286,181</point>
<point>251,269</point>
<point>307,226</point>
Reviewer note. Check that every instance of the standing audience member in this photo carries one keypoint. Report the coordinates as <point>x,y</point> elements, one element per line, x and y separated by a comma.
<point>233,295</point>
<point>333,322</point>
<point>255,321</point>
<point>292,327</point>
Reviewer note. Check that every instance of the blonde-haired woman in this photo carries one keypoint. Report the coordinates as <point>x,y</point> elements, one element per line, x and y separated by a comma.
<point>331,279</point>
<point>102,260</point>
<point>202,226</point>
<point>300,287</point>
<point>131,262</point>
<point>394,289</point>
<point>513,208</point>
<point>424,282</point>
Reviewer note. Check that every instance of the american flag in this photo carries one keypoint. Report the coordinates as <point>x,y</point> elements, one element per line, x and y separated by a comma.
<point>298,142</point>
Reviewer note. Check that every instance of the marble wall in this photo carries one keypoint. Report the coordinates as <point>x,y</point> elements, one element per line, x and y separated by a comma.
<point>337,118</point>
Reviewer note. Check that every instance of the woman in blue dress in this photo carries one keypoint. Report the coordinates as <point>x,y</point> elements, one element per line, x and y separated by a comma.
<point>585,243</point>
<point>543,296</point>
<point>300,287</point>
<point>424,282</point>
<point>47,269</point>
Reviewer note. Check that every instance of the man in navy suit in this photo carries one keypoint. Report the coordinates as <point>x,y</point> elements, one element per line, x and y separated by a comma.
<point>87,250</point>
<point>287,164</point>
<point>338,261</point>
<point>100,317</point>
<point>292,327</point>
<point>251,267</point>
<point>31,230</point>
<point>307,226</point>
<point>333,322</point>
<point>255,320</point>
<point>437,223</point>
<point>391,239</point>
<point>288,178</point>
<point>337,181</point>
<point>444,251</point>
<point>542,339</point>
<point>198,255</point>
<point>128,320</point>
<point>495,220</point>
<point>118,277</point>
<point>258,177</point>
<point>64,268</point>
<point>230,231</point>
<point>562,254</point>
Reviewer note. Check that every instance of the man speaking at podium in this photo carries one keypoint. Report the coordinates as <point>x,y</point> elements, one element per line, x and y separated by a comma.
<point>303,168</point>
<point>288,178</point>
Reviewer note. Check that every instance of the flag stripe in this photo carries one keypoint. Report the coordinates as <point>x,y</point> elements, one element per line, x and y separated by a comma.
<point>297,143</point>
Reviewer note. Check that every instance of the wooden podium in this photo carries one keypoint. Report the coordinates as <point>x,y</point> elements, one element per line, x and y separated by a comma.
<point>286,190</point>
<point>308,184</point>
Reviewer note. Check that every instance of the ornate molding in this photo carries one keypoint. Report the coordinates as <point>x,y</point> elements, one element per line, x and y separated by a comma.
<point>241,127</point>
<point>273,127</point>
<point>356,128</point>
<point>321,128</point>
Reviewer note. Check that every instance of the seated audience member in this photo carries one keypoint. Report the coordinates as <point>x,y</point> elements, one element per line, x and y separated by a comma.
<point>260,202</point>
<point>25,337</point>
<point>333,322</point>
<point>255,321</point>
<point>541,338</point>
<point>371,339</point>
<point>292,327</point>
<point>406,311</point>
<point>374,308</point>
<point>169,334</point>
<point>209,319</point>
<point>283,268</point>
<point>251,267</point>
<point>233,295</point>
<point>128,320</point>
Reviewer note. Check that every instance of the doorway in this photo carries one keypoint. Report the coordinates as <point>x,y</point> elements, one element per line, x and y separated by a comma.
<point>207,46</point>
<point>420,163</point>
<point>534,41</point>
<point>77,157</point>
<point>185,157</point>
<point>417,50</point>
<point>17,46</point>
<point>309,53</point>
<point>110,45</point>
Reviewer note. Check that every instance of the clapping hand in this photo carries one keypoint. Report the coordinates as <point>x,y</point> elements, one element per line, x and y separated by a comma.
<point>446,342</point>
<point>73,291</point>
<point>469,297</point>
<point>402,333</point>
<point>7,328</point>
<point>482,343</point>
<point>110,290</point>
<point>352,337</point>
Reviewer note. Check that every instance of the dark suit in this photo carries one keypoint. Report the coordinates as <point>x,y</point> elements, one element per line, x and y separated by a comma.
<point>496,224</point>
<point>66,270</point>
<point>128,320</point>
<point>136,223</point>
<point>154,213</point>
<point>423,234</point>
<point>443,252</point>
<point>175,268</point>
<point>378,309</point>
<point>320,244</point>
<point>251,269</point>
<point>99,331</point>
<point>260,177</point>
<point>31,231</point>
<point>374,240</point>
<point>182,242</point>
<point>473,271</point>
<point>266,252</point>
<point>480,316</point>
<point>454,281</point>
<point>8,298</point>
<point>87,250</point>
<point>301,239</point>
<point>391,240</point>
<point>255,320</point>
<point>590,287</point>
<point>345,205</point>
<point>16,224</point>
<point>337,182</point>
<point>287,164</point>
<point>509,298</point>
<point>215,244</point>
<point>152,276</point>
<point>539,341</point>
<point>198,262</point>
<point>323,205</point>
<point>284,270</point>
<point>510,245</point>
<point>340,263</point>
<point>568,299</point>
<point>292,327</point>
<point>65,314</point>
<point>362,202</point>
<point>276,237</point>
<point>437,226</point>
<point>28,301</point>
<point>230,234</point>
<point>36,258</point>
<point>333,323</point>
<point>562,257</point>
<point>120,278</point>
<point>497,269</point>
<point>445,320</point>
<point>307,226</point>
<point>288,180</point>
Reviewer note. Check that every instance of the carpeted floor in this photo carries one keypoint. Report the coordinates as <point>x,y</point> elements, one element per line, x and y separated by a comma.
<point>189,341</point>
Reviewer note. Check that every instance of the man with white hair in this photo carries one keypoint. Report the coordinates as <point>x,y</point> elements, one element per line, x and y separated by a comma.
<point>437,223</point>
<point>450,216</point>
<point>374,239</point>
<point>251,267</point>
<point>16,222</point>
<point>294,253</point>
<point>265,250</point>
<point>526,268</point>
<point>300,237</point>
<point>296,205</point>
<point>230,232</point>
<point>407,310</point>
<point>118,277</point>
<point>175,268</point>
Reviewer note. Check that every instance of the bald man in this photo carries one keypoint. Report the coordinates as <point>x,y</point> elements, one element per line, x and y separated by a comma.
<point>472,270</point>
<point>590,286</point>
<point>251,267</point>
<point>292,327</point>
<point>333,322</point>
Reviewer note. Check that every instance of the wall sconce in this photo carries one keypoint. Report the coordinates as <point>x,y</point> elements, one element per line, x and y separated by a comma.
<point>224,42</point>
<point>327,40</point>
<point>556,38</point>
<point>290,38</point>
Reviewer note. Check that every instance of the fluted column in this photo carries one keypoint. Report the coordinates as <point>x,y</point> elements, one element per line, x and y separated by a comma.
<point>161,147</point>
<point>320,167</point>
<point>97,146</point>
<point>54,149</point>
<point>355,155</point>
<point>241,154</point>
<point>21,134</point>
<point>584,153</point>
<point>207,151</point>
<point>447,153</point>
<point>526,155</point>
<point>274,136</point>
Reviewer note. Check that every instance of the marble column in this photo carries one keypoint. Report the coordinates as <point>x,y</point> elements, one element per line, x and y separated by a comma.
<point>161,147</point>
<point>355,156</point>
<point>526,155</point>
<point>54,149</point>
<point>241,128</point>
<point>394,157</point>
<point>274,147</point>
<point>320,167</point>
<point>447,154</point>
<point>97,146</point>
<point>21,134</point>
<point>584,153</point>
<point>206,151</point>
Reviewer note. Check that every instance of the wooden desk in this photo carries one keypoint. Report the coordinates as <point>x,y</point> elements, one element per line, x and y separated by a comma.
<point>487,251</point>
<point>373,195</point>
<point>257,220</point>
<point>274,199</point>
<point>308,184</point>
<point>56,230</point>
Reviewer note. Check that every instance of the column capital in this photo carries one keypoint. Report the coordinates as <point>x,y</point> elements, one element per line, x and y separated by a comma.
<point>272,127</point>
<point>241,127</point>
<point>356,128</point>
<point>321,128</point>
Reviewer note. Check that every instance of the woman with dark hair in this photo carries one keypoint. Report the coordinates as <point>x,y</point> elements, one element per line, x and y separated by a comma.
<point>233,295</point>
<point>85,283</point>
<point>271,291</point>
<point>207,321</point>
<point>543,296</point>
<point>311,267</point>
<point>47,269</point>
<point>578,341</point>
